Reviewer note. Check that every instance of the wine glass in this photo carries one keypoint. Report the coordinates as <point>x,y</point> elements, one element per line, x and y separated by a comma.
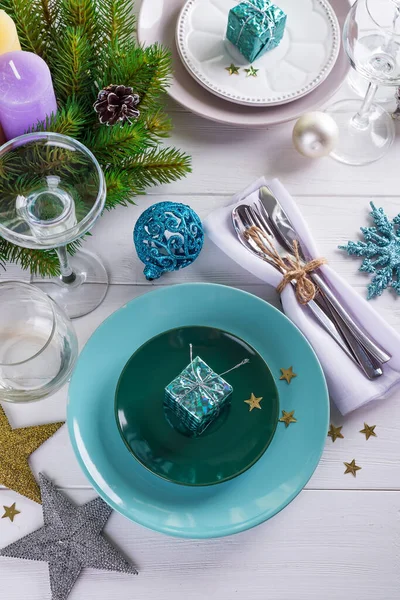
<point>38,345</point>
<point>52,190</point>
<point>371,39</point>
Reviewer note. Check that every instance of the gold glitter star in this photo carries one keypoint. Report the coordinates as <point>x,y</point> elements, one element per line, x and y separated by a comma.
<point>288,418</point>
<point>11,512</point>
<point>16,445</point>
<point>335,432</point>
<point>287,374</point>
<point>351,467</point>
<point>232,70</point>
<point>253,402</point>
<point>368,431</point>
<point>251,72</point>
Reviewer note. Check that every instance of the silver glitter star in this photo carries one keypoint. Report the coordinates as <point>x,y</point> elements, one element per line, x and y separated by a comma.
<point>70,540</point>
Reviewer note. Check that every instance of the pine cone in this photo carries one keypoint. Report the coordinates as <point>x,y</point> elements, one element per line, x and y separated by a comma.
<point>117,103</point>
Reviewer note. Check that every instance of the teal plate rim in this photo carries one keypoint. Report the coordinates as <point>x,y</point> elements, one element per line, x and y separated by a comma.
<point>228,478</point>
<point>204,516</point>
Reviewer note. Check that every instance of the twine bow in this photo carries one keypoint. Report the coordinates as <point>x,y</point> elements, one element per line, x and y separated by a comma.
<point>261,11</point>
<point>292,267</point>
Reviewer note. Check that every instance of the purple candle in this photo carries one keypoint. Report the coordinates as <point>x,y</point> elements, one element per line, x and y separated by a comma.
<point>26,92</point>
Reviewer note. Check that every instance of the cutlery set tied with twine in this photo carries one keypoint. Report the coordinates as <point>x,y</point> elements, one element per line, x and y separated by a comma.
<point>264,232</point>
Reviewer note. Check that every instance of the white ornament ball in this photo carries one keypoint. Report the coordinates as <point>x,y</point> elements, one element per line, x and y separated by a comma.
<point>315,134</point>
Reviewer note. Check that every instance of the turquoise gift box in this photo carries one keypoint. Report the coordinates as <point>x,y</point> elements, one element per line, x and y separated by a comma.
<point>255,27</point>
<point>197,396</point>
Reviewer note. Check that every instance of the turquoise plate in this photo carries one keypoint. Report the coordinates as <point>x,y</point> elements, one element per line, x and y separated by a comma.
<point>211,511</point>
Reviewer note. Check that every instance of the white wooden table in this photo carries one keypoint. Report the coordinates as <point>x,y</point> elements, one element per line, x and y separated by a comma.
<point>339,539</point>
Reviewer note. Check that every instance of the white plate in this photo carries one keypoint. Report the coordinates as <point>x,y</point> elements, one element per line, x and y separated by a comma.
<point>158,24</point>
<point>301,62</point>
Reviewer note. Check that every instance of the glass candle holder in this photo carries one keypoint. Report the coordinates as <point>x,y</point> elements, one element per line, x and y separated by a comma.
<point>38,345</point>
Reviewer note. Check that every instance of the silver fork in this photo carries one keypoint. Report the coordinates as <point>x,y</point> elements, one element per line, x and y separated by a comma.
<point>366,360</point>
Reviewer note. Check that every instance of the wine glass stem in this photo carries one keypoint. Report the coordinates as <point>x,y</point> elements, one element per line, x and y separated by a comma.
<point>361,119</point>
<point>67,274</point>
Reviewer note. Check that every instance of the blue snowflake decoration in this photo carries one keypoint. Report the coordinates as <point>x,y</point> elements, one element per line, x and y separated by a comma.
<point>168,236</point>
<point>382,252</point>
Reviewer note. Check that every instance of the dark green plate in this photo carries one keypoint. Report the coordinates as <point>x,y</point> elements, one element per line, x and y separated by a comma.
<point>231,444</point>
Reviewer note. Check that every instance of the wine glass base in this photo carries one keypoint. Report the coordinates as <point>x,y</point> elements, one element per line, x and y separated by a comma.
<point>361,145</point>
<point>81,296</point>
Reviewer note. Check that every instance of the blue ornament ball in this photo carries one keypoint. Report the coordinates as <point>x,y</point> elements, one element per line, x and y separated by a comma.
<point>168,236</point>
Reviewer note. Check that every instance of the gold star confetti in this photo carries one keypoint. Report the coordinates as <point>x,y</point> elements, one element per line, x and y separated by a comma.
<point>368,431</point>
<point>11,512</point>
<point>16,445</point>
<point>253,402</point>
<point>287,374</point>
<point>251,72</point>
<point>232,70</point>
<point>335,432</point>
<point>288,418</point>
<point>351,468</point>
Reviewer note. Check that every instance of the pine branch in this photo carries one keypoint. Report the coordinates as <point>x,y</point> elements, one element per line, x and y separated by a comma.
<point>135,175</point>
<point>117,22</point>
<point>68,121</point>
<point>146,70</point>
<point>120,189</point>
<point>157,76</point>
<point>157,166</point>
<point>74,56</point>
<point>50,12</point>
<point>114,144</point>
<point>38,262</point>
<point>80,13</point>
<point>158,124</point>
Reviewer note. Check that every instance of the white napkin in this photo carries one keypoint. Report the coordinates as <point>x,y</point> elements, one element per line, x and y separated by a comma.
<point>348,386</point>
